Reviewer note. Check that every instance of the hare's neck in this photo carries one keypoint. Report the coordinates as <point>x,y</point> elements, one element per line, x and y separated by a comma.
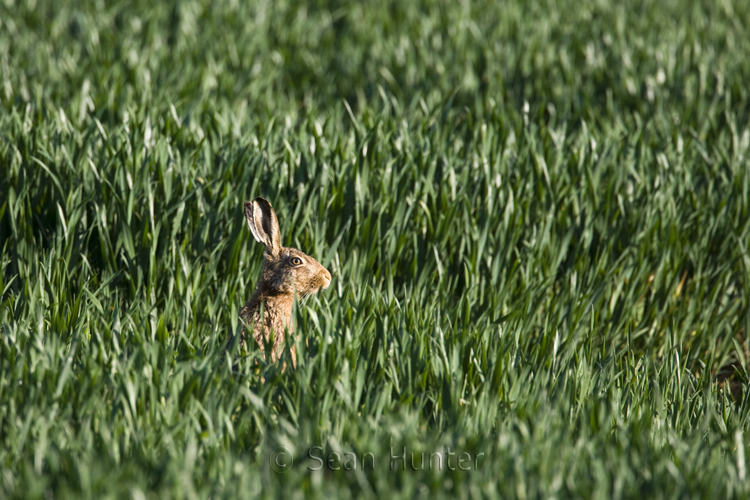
<point>277,309</point>
<point>280,305</point>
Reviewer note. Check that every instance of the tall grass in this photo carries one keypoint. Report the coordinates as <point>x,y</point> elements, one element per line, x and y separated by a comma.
<point>536,215</point>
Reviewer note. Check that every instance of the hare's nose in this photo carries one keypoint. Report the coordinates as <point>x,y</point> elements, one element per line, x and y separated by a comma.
<point>327,277</point>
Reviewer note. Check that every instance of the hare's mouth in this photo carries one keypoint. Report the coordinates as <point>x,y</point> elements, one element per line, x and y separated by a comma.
<point>325,279</point>
<point>325,283</point>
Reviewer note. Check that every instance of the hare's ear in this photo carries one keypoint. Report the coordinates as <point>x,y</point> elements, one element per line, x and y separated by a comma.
<point>263,223</point>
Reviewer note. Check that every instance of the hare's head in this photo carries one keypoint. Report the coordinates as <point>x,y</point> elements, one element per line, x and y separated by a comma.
<point>285,270</point>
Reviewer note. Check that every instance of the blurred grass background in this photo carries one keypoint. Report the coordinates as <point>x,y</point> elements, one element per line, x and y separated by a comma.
<point>536,216</point>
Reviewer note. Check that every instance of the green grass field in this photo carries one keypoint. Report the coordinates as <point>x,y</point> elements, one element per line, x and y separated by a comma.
<point>536,215</point>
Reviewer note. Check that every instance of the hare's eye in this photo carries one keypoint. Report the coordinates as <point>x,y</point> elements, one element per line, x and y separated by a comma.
<point>296,261</point>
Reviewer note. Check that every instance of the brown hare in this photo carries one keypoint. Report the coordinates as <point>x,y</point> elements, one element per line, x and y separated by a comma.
<point>286,271</point>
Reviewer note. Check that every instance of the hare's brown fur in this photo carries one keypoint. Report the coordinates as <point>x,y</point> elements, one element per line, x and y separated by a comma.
<point>286,271</point>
